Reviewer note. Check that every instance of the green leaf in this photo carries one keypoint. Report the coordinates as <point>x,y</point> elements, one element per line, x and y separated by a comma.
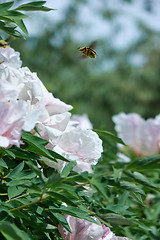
<point>75,212</point>
<point>12,232</point>
<point>34,6</point>
<point>61,219</point>
<point>137,197</point>
<point>100,187</point>
<point>53,180</point>
<point>14,15</point>
<point>7,152</point>
<point>67,169</point>
<point>131,187</point>
<point>15,191</point>
<point>2,163</point>
<point>151,162</point>
<point>61,197</point>
<point>14,173</point>
<point>140,178</point>
<point>5,6</point>
<point>109,135</point>
<point>22,26</point>
<point>117,173</point>
<point>57,156</point>
<point>37,145</point>
<point>116,219</point>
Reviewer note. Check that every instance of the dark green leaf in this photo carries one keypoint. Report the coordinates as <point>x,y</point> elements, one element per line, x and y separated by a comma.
<point>75,212</point>
<point>62,220</point>
<point>12,232</point>
<point>14,173</point>
<point>53,180</point>
<point>14,191</point>
<point>109,135</point>
<point>140,178</point>
<point>151,162</point>
<point>2,163</point>
<point>131,187</point>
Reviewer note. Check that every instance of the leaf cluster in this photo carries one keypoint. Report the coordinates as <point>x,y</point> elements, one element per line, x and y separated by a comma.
<point>10,19</point>
<point>34,197</point>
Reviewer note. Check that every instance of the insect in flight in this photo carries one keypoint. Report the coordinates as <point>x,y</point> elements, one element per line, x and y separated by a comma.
<point>4,43</point>
<point>89,51</point>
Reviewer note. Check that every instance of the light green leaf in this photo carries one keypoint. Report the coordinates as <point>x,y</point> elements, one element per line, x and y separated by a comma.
<point>5,6</point>
<point>116,219</point>
<point>67,169</point>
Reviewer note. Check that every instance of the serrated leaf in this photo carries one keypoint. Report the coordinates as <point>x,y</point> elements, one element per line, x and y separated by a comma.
<point>109,135</point>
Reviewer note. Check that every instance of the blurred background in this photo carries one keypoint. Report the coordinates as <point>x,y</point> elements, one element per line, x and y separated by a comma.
<point>125,76</point>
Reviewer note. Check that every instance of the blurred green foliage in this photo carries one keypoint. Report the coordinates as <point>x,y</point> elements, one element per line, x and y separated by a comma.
<point>91,85</point>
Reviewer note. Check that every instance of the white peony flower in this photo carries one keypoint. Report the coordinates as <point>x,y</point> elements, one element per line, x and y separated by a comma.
<point>84,230</point>
<point>84,146</point>
<point>83,121</point>
<point>143,136</point>
<point>53,126</point>
<point>12,115</point>
<point>9,57</point>
<point>30,89</point>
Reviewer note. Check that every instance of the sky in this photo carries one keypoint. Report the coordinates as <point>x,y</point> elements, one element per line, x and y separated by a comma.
<point>123,28</point>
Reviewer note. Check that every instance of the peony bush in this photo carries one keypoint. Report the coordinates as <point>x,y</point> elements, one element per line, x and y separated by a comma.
<point>58,181</point>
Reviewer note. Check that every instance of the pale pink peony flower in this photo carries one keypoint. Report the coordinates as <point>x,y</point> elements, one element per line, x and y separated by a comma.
<point>84,146</point>
<point>30,89</point>
<point>7,91</point>
<point>84,230</point>
<point>143,136</point>
<point>9,57</point>
<point>83,121</point>
<point>12,115</point>
<point>81,229</point>
<point>53,126</point>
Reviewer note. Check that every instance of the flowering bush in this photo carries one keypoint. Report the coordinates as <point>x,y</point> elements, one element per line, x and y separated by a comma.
<point>57,181</point>
<point>143,136</point>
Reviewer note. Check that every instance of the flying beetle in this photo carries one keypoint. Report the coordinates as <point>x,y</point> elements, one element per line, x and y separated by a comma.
<point>89,51</point>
